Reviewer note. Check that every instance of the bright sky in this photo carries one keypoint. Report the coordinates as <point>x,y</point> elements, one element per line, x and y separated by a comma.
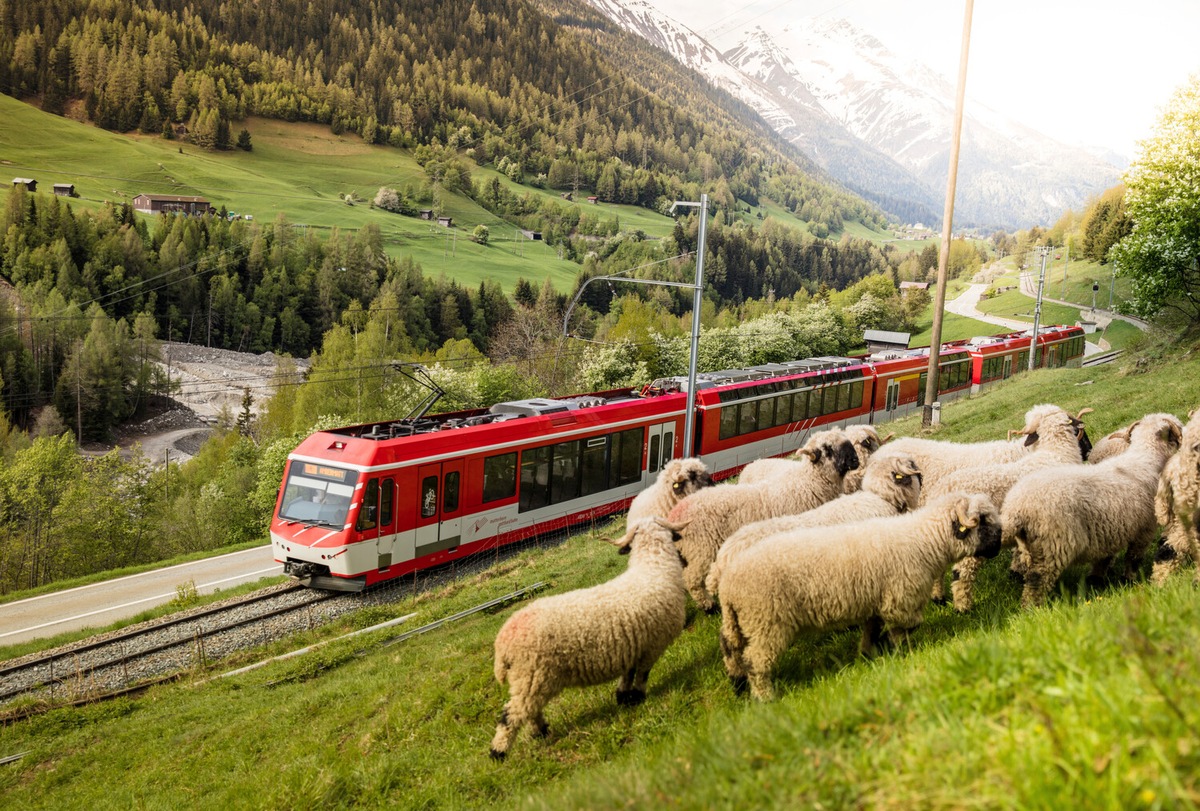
<point>1093,72</point>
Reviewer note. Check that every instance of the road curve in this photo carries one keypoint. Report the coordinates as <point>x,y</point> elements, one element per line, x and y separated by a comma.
<point>101,604</point>
<point>967,305</point>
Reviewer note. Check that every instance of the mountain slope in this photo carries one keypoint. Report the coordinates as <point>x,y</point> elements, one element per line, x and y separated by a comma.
<point>882,124</point>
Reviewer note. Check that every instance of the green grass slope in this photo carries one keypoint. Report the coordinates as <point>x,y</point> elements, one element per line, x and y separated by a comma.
<point>1089,702</point>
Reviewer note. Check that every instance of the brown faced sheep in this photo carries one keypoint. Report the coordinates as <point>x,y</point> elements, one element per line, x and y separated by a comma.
<point>1065,514</point>
<point>872,572</point>
<point>888,489</point>
<point>677,480</point>
<point>711,515</point>
<point>593,635</point>
<point>1175,505</point>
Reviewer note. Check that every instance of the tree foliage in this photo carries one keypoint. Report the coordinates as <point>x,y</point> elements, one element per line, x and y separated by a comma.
<point>1161,255</point>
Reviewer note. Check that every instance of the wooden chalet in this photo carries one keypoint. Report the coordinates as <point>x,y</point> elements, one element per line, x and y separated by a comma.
<point>170,203</point>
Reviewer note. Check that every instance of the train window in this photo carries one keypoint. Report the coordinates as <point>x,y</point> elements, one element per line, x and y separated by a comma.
<point>594,476</point>
<point>387,499</point>
<point>499,477</point>
<point>856,393</point>
<point>652,462</point>
<point>668,446</point>
<point>729,421</point>
<point>535,478</point>
<point>800,405</point>
<point>370,504</point>
<point>747,416</point>
<point>843,401</point>
<point>783,409</point>
<point>450,492</point>
<point>564,471</point>
<point>429,488</point>
<point>627,457</point>
<point>766,413</point>
<point>316,493</point>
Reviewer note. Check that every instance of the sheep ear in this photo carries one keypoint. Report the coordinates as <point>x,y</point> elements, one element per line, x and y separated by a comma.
<point>1031,438</point>
<point>1173,433</point>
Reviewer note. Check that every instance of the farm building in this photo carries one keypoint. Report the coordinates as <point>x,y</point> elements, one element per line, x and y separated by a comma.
<point>445,222</point>
<point>170,203</point>
<point>879,340</point>
<point>64,189</point>
<point>28,182</point>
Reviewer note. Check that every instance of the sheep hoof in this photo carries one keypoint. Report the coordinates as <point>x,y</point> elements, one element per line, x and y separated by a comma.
<point>630,698</point>
<point>740,684</point>
<point>712,609</point>
<point>541,731</point>
<point>497,755</point>
<point>940,601</point>
<point>1016,576</point>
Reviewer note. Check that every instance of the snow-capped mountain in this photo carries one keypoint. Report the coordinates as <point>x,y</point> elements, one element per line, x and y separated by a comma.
<point>882,124</point>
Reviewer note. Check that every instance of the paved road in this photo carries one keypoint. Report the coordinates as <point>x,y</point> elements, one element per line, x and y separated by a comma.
<point>967,305</point>
<point>101,604</point>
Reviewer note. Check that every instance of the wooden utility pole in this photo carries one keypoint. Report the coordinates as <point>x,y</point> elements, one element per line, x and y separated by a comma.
<point>935,340</point>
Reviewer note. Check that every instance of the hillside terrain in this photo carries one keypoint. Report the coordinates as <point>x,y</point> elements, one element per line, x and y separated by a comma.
<point>1086,701</point>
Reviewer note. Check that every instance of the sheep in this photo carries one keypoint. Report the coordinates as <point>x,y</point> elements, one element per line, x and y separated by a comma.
<point>939,459</point>
<point>1065,514</point>
<point>1055,436</point>
<point>678,479</point>
<point>590,636</point>
<point>872,572</point>
<point>866,441</point>
<point>713,514</point>
<point>1111,445</point>
<point>886,490</point>
<point>864,438</point>
<point>1176,503</point>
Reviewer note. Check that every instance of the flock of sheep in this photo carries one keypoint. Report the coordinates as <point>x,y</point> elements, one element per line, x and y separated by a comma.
<point>853,531</point>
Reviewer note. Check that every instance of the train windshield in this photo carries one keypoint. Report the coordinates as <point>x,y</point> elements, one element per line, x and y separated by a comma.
<point>317,494</point>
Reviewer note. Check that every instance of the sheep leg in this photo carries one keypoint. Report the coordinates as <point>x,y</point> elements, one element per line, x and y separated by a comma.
<point>938,594</point>
<point>872,634</point>
<point>693,577</point>
<point>632,690</point>
<point>1040,577</point>
<point>732,646</point>
<point>1099,574</point>
<point>525,703</point>
<point>962,584</point>
<point>1135,554</point>
<point>759,662</point>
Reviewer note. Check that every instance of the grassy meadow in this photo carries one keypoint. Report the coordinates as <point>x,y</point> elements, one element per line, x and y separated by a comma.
<point>1089,702</point>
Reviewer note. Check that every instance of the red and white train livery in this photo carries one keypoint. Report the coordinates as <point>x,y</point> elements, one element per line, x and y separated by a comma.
<point>368,503</point>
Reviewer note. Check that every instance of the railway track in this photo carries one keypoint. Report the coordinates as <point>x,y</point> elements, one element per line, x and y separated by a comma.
<point>151,651</point>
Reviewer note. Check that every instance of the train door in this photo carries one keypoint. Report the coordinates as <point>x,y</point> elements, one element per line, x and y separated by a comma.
<point>1007,366</point>
<point>377,516</point>
<point>1052,356</point>
<point>660,448</point>
<point>892,398</point>
<point>439,507</point>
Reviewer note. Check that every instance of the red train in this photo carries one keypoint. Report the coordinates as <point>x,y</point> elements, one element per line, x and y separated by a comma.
<point>368,503</point>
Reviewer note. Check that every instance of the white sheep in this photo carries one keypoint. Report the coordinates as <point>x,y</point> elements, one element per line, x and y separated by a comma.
<point>864,438</point>
<point>1066,514</point>
<point>590,636</point>
<point>1176,503</point>
<point>886,490</point>
<point>677,480</point>
<point>866,441</point>
<point>711,515</point>
<point>1111,445</point>
<point>872,572</point>
<point>1055,437</point>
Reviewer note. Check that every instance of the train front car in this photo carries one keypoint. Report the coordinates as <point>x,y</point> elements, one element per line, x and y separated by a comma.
<point>320,514</point>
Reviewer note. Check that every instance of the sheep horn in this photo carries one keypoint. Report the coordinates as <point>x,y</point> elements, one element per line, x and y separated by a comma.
<point>909,468</point>
<point>1083,411</point>
<point>671,525</point>
<point>887,438</point>
<point>1017,431</point>
<point>965,519</point>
